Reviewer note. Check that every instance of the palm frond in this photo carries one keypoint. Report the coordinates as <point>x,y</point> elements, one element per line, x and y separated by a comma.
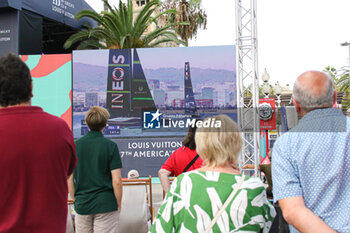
<point>90,44</point>
<point>118,29</point>
<point>89,14</point>
<point>166,12</point>
<point>158,42</point>
<point>77,37</point>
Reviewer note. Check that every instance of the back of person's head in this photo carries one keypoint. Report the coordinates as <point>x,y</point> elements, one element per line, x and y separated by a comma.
<point>314,89</point>
<point>189,141</point>
<point>219,145</point>
<point>15,81</point>
<point>96,118</point>
<point>133,174</point>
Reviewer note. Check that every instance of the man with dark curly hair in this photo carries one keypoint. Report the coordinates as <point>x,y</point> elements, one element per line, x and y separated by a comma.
<point>37,154</point>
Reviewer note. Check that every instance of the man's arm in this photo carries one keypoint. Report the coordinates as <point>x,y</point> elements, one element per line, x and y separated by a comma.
<point>71,186</point>
<point>117,186</point>
<point>300,217</point>
<point>164,178</point>
<point>250,166</point>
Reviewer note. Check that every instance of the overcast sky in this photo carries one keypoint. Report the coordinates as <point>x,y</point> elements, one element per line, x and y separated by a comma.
<point>293,36</point>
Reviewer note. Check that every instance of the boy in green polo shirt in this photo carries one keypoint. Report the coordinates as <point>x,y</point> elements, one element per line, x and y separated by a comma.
<point>96,184</point>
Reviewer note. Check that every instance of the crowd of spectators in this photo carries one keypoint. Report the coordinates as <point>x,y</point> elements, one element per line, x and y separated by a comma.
<point>40,163</point>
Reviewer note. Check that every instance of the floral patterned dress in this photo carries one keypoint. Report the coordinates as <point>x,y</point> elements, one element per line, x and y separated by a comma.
<point>194,198</point>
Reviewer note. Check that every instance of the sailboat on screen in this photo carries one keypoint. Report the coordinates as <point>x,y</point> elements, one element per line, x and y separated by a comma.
<point>127,89</point>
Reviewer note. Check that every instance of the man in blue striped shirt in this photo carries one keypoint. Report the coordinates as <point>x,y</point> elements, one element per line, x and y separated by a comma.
<point>311,165</point>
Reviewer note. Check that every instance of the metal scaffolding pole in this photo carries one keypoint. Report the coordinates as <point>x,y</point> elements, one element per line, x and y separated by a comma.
<point>247,81</point>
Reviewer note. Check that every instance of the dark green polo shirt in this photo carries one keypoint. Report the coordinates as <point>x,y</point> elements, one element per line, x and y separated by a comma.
<point>97,156</point>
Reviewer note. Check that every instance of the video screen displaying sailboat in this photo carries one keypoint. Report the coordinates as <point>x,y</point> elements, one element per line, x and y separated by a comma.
<point>177,82</point>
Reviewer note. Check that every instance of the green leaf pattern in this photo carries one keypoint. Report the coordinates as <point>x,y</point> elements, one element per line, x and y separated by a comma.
<point>184,229</point>
<point>184,196</point>
<point>209,176</point>
<point>244,231</point>
<point>238,208</point>
<point>195,197</point>
<point>159,227</point>
<point>203,219</point>
<point>222,222</point>
<point>259,200</point>
<point>167,210</point>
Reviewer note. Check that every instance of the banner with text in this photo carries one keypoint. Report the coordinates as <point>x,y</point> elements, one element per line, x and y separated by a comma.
<point>8,32</point>
<point>146,155</point>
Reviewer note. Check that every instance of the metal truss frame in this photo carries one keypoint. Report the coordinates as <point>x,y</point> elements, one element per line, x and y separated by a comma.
<point>247,82</point>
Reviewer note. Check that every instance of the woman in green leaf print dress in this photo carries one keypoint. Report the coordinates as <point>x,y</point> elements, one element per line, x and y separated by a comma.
<point>195,197</point>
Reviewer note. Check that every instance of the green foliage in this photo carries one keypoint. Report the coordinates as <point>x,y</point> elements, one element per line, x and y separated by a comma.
<point>187,11</point>
<point>117,28</point>
<point>343,83</point>
<point>341,80</point>
<point>331,71</point>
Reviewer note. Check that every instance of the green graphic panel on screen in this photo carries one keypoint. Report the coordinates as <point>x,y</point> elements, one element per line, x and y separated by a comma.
<point>52,83</point>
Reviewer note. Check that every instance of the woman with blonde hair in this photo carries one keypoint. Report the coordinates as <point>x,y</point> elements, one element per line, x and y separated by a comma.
<point>216,197</point>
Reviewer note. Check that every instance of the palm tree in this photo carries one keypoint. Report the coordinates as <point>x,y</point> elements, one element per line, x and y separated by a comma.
<point>117,29</point>
<point>187,11</point>
<point>344,80</point>
<point>332,72</point>
<point>342,83</point>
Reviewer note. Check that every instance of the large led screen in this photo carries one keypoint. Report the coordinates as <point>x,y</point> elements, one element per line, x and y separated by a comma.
<point>139,85</point>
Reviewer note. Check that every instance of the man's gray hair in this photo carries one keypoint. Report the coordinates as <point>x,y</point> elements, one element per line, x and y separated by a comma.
<point>308,100</point>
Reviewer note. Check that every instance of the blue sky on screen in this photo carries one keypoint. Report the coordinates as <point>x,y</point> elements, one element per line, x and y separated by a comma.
<point>91,57</point>
<point>205,57</point>
<point>212,57</point>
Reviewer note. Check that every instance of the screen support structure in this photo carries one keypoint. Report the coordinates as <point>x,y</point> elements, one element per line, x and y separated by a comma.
<point>247,82</point>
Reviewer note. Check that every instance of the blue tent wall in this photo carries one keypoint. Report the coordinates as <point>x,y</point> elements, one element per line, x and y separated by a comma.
<point>58,10</point>
<point>9,22</point>
<point>23,25</point>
